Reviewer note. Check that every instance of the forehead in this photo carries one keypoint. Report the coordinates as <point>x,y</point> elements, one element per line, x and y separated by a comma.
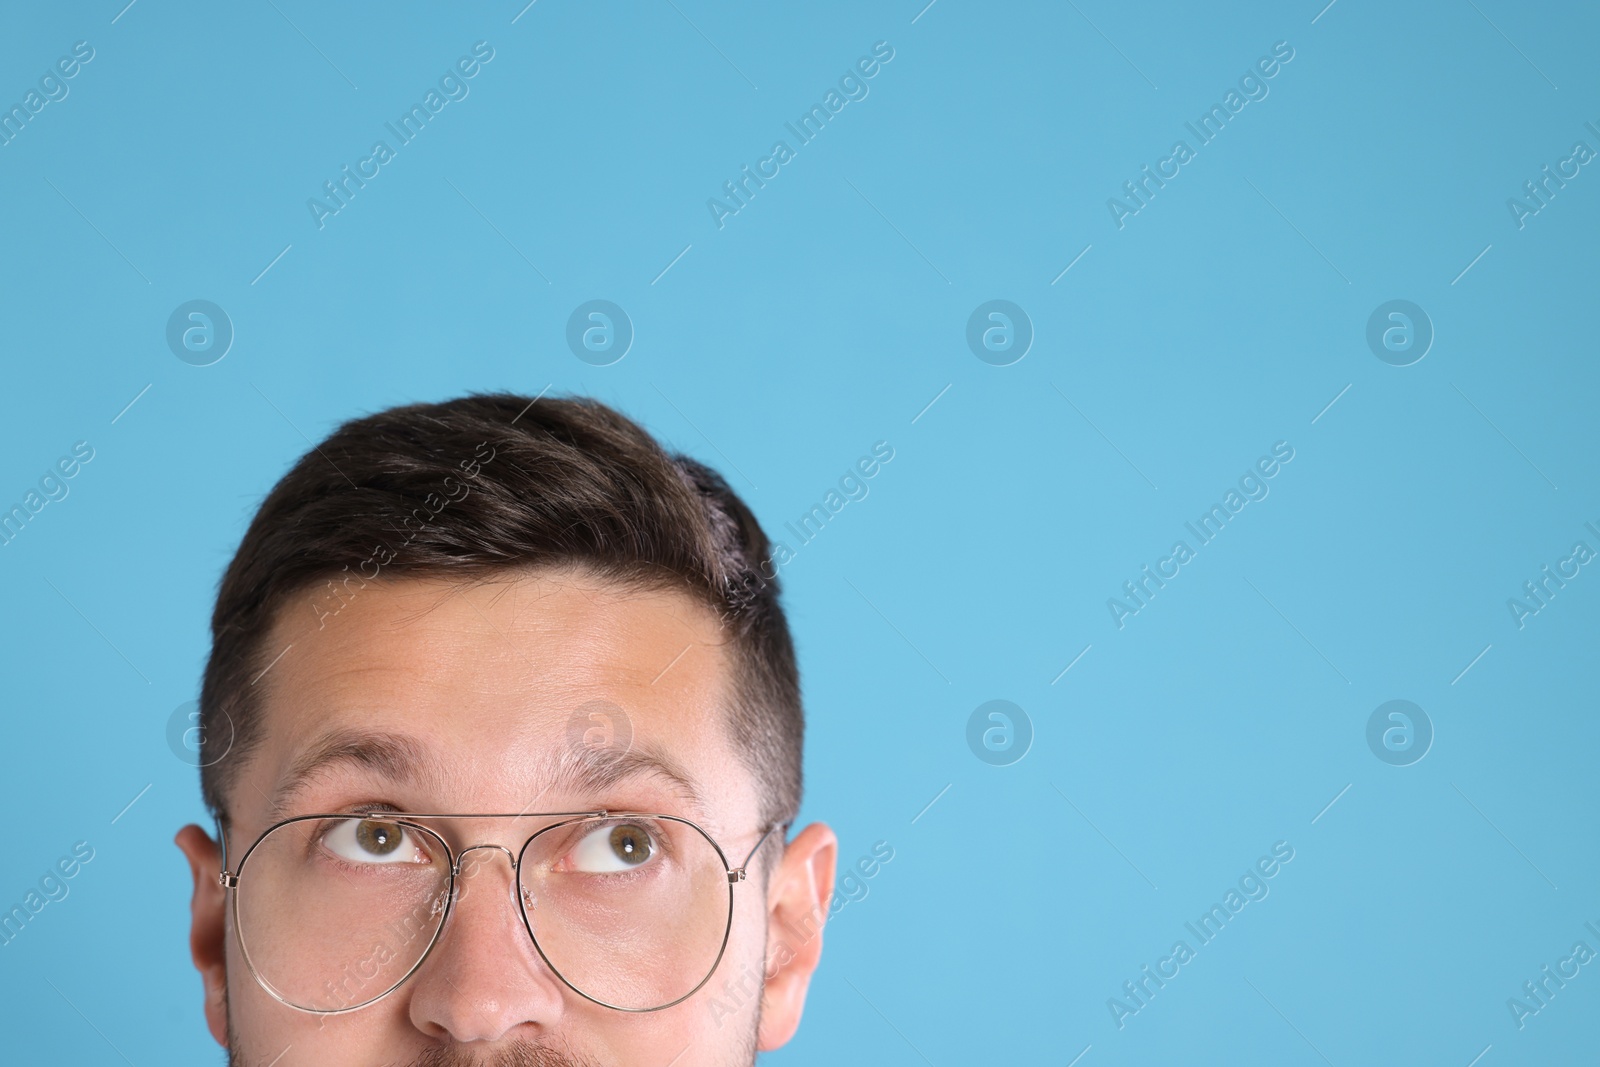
<point>496,680</point>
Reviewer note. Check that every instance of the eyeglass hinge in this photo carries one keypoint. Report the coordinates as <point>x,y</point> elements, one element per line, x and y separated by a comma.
<point>735,876</point>
<point>228,881</point>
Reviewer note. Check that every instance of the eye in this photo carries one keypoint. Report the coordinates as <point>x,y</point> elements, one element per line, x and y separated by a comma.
<point>374,841</point>
<point>612,849</point>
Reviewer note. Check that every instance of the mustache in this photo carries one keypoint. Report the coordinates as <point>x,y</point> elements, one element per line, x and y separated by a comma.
<point>521,1054</point>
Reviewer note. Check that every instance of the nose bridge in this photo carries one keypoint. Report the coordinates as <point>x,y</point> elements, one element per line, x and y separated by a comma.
<point>462,866</point>
<point>484,976</point>
<point>467,863</point>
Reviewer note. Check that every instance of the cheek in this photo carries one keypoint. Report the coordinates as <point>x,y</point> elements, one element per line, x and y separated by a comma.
<point>261,1028</point>
<point>726,1008</point>
<point>385,1032</point>
<point>748,938</point>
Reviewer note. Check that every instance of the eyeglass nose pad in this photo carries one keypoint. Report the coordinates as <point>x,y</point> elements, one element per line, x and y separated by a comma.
<point>466,862</point>
<point>463,865</point>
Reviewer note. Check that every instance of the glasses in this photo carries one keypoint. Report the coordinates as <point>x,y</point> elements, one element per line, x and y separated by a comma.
<point>630,910</point>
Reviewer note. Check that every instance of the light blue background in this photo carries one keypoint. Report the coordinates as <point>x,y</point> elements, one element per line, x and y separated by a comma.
<point>826,316</point>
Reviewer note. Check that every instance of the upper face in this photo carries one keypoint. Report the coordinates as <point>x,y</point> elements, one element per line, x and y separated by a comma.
<point>424,695</point>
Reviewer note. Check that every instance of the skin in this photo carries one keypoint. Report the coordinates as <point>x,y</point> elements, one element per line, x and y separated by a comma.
<point>484,679</point>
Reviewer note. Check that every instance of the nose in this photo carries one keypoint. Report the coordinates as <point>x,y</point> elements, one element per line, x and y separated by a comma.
<point>484,981</point>
<point>463,863</point>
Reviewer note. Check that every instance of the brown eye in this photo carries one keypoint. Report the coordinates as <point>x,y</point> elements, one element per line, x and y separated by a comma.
<point>631,844</point>
<point>378,838</point>
<point>376,841</point>
<point>613,849</point>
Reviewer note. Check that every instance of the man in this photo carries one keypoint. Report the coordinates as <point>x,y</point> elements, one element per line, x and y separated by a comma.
<point>502,735</point>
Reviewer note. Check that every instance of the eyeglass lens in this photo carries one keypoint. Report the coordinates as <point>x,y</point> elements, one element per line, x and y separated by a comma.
<point>629,911</point>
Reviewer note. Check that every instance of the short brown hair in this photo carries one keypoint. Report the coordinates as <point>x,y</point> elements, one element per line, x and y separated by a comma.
<point>558,481</point>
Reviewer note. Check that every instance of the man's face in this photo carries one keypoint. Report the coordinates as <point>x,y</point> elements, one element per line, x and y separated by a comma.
<point>423,695</point>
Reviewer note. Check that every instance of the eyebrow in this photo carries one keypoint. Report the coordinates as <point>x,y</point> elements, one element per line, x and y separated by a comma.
<point>580,770</point>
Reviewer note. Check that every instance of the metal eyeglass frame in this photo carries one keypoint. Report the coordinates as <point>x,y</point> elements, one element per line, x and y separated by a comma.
<point>229,880</point>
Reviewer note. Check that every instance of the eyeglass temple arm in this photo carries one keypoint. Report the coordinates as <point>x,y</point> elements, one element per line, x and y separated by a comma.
<point>738,873</point>
<point>225,878</point>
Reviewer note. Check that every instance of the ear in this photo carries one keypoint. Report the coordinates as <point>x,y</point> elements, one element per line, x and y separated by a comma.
<point>797,902</point>
<point>208,925</point>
